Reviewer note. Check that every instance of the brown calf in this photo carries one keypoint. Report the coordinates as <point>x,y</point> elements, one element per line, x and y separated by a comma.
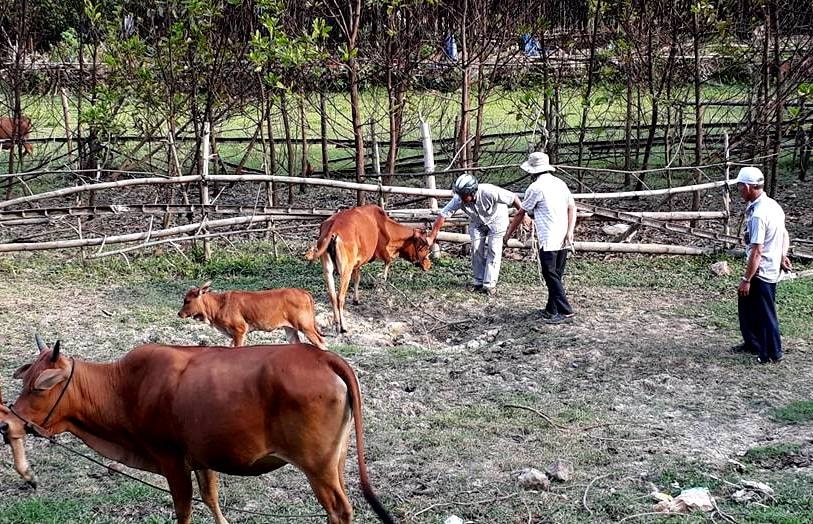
<point>238,313</point>
<point>353,237</point>
<point>13,131</point>
<point>172,410</point>
<point>13,431</point>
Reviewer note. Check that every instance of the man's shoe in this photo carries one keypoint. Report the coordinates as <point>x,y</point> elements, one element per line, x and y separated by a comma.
<point>556,319</point>
<point>758,360</point>
<point>476,288</point>
<point>779,359</point>
<point>570,315</point>
<point>490,291</point>
<point>545,314</point>
<point>743,348</point>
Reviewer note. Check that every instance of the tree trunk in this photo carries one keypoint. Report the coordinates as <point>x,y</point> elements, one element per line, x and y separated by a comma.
<point>779,105</point>
<point>355,96</point>
<point>481,104</point>
<point>589,89</point>
<point>307,169</point>
<point>323,131</point>
<point>289,143</point>
<point>465,93</point>
<point>698,111</point>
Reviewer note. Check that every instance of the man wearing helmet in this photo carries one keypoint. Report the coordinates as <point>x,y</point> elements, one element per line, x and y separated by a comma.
<point>486,205</point>
<point>766,247</point>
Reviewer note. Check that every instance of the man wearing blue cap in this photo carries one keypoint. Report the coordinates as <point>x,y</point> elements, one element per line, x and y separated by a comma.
<point>766,248</point>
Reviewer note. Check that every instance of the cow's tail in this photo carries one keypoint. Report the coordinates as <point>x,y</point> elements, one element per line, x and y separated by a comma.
<point>345,372</point>
<point>323,244</point>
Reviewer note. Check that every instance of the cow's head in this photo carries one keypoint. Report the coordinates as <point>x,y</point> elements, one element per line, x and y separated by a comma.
<point>43,400</point>
<point>416,249</point>
<point>194,305</point>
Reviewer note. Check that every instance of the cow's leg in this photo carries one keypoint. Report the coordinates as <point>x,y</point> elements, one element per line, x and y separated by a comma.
<point>238,335</point>
<point>207,482</point>
<point>328,490</point>
<point>292,335</point>
<point>344,284</point>
<point>356,281</point>
<point>20,463</point>
<point>180,487</point>
<point>315,337</point>
<point>327,272</point>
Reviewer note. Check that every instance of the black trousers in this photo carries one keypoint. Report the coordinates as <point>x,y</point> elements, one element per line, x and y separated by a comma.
<point>553,269</point>
<point>759,324</point>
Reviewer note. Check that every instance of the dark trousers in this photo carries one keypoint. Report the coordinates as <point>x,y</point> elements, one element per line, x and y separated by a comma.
<point>759,324</point>
<point>553,269</point>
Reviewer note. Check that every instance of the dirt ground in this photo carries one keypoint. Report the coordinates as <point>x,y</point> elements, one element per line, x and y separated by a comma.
<point>458,391</point>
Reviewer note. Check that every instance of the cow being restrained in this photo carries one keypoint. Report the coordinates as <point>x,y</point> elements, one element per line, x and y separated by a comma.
<point>353,237</point>
<point>174,410</point>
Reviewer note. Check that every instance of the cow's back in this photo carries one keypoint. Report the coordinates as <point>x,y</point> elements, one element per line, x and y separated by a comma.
<point>229,408</point>
<point>360,231</point>
<point>268,309</point>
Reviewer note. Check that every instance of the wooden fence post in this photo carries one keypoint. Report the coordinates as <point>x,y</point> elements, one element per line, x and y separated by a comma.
<point>376,159</point>
<point>727,188</point>
<point>204,188</point>
<point>429,167</point>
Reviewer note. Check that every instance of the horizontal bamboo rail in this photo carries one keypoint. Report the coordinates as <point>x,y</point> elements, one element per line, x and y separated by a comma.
<point>373,188</point>
<point>603,247</point>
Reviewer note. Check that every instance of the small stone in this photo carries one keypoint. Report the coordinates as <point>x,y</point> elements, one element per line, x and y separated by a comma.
<point>531,478</point>
<point>560,470</point>
<point>454,519</point>
<point>720,268</point>
<point>615,229</point>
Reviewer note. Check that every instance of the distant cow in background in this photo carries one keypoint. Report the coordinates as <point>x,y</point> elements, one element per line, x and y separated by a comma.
<point>13,432</point>
<point>353,237</point>
<point>238,313</point>
<point>14,130</point>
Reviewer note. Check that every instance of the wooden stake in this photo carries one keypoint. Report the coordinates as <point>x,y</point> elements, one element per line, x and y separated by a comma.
<point>204,187</point>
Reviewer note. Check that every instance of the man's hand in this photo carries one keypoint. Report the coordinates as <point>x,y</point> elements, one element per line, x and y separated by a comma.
<point>527,221</point>
<point>744,288</point>
<point>786,264</point>
<point>569,238</point>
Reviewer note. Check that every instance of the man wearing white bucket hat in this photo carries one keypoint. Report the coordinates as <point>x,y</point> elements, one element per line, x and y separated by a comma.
<point>486,205</point>
<point>766,248</point>
<point>549,201</point>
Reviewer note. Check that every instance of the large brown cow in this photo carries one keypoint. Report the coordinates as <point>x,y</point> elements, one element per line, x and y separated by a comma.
<point>13,431</point>
<point>353,237</point>
<point>14,130</point>
<point>173,410</point>
<point>238,313</point>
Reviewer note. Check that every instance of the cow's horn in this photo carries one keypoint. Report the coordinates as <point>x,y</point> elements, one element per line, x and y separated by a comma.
<point>55,352</point>
<point>40,344</point>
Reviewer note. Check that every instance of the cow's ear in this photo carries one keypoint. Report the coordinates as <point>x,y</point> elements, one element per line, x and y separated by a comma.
<point>49,378</point>
<point>21,371</point>
<point>205,287</point>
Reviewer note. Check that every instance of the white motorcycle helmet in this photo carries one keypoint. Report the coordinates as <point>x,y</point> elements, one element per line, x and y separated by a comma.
<point>465,184</point>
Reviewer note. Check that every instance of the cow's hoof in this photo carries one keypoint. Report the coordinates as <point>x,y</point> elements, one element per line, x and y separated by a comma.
<point>356,302</point>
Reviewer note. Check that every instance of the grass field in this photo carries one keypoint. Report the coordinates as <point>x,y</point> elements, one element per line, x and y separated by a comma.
<point>642,385</point>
